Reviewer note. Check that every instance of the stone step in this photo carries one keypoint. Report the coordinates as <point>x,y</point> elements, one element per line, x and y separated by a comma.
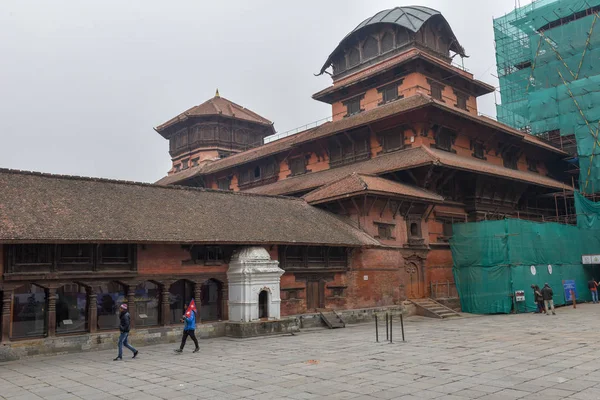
<point>332,320</point>
<point>435,309</point>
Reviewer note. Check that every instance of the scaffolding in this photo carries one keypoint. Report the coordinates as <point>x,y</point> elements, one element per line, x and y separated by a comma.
<point>547,57</point>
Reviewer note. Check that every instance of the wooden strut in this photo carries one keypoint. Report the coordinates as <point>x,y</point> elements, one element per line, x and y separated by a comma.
<point>397,209</point>
<point>372,204</point>
<point>384,207</point>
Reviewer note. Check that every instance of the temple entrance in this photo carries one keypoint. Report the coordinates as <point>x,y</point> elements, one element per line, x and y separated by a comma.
<point>413,281</point>
<point>315,294</point>
<point>210,306</point>
<point>263,304</point>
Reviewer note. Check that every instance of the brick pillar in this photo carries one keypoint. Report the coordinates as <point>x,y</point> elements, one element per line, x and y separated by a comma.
<point>92,311</point>
<point>198,299</point>
<point>225,302</point>
<point>165,306</point>
<point>6,308</point>
<point>131,303</point>
<point>51,314</point>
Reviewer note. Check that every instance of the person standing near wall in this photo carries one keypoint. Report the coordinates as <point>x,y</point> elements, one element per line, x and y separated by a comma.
<point>593,286</point>
<point>547,295</point>
<point>124,328</point>
<point>189,327</point>
<point>539,300</point>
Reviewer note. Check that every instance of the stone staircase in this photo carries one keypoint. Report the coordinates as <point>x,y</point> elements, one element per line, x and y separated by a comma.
<point>433,309</point>
<point>332,320</point>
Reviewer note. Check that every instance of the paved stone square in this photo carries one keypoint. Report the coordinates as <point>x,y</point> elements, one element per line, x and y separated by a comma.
<point>523,356</point>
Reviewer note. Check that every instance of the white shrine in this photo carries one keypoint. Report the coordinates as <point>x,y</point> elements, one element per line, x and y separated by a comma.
<point>253,285</point>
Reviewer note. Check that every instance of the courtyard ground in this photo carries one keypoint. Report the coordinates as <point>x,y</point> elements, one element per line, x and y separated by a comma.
<point>523,356</point>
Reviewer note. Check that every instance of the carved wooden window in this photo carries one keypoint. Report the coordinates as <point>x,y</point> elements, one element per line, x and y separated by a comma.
<point>258,173</point>
<point>36,254</point>
<point>224,183</point>
<point>446,230</point>
<point>436,89</point>
<point>195,162</point>
<point>385,231</point>
<point>297,165</point>
<point>301,258</point>
<point>349,148</point>
<point>387,42</point>
<point>510,157</point>
<point>479,150</point>
<point>172,144</point>
<point>414,229</point>
<point>75,254</point>
<point>352,106</point>
<point>532,165</point>
<point>115,254</point>
<point>353,57</point>
<point>461,100</point>
<point>207,255</point>
<point>402,37</point>
<point>444,139</point>
<point>392,139</point>
<point>185,164</point>
<point>370,48</point>
<point>389,93</point>
<point>178,168</point>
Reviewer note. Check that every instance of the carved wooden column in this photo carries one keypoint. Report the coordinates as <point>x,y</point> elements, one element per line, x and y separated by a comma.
<point>131,303</point>
<point>51,314</point>
<point>165,314</point>
<point>6,307</point>
<point>225,302</point>
<point>198,298</point>
<point>92,311</point>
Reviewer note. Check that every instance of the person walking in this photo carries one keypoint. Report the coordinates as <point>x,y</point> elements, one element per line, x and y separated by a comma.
<point>124,328</point>
<point>593,286</point>
<point>547,295</point>
<point>539,300</point>
<point>189,327</point>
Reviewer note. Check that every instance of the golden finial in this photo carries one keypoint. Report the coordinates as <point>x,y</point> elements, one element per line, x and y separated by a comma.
<point>217,93</point>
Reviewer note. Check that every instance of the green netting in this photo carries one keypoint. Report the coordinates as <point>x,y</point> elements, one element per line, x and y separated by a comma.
<point>493,259</point>
<point>588,214</point>
<point>550,75</point>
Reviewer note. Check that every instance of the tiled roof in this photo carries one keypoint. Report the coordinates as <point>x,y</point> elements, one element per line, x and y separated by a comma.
<point>357,184</point>
<point>281,145</point>
<point>475,165</point>
<point>51,208</point>
<point>217,106</point>
<point>400,160</point>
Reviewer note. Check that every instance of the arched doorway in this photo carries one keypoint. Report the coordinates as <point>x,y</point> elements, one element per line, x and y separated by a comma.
<point>71,309</point>
<point>413,282</point>
<point>180,294</point>
<point>210,305</point>
<point>29,311</point>
<point>263,304</point>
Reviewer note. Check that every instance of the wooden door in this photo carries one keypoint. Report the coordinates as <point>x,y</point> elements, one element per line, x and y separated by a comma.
<point>315,294</point>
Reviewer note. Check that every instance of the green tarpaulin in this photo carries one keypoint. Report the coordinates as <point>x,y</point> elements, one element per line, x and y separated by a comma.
<point>493,259</point>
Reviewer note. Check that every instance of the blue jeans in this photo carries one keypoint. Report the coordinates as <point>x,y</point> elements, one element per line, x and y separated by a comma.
<point>594,295</point>
<point>123,342</point>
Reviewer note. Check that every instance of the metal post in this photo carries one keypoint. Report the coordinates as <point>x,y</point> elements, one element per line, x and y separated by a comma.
<point>391,320</point>
<point>448,283</point>
<point>573,298</point>
<point>402,326</point>
<point>376,330</point>
<point>387,329</point>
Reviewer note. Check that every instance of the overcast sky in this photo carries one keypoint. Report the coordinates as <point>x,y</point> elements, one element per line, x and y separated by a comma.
<point>82,83</point>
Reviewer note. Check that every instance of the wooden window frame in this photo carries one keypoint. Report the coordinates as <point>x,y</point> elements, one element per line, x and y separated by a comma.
<point>461,100</point>
<point>226,179</point>
<point>478,146</point>
<point>437,86</point>
<point>532,165</point>
<point>451,137</point>
<point>353,100</point>
<point>303,264</point>
<point>385,225</point>
<point>384,91</point>
<point>299,159</point>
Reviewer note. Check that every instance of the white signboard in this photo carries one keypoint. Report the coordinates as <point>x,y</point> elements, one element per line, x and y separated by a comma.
<point>533,270</point>
<point>67,322</point>
<point>550,269</point>
<point>590,259</point>
<point>520,295</point>
<point>142,316</point>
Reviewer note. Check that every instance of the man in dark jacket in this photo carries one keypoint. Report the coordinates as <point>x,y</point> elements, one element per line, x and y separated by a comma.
<point>547,294</point>
<point>593,286</point>
<point>189,329</point>
<point>124,328</point>
<point>539,300</point>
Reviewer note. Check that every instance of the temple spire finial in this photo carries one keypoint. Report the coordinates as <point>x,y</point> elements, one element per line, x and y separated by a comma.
<point>217,93</point>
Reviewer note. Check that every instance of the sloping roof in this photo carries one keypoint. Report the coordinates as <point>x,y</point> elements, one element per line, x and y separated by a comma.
<point>475,165</point>
<point>287,143</point>
<point>217,106</point>
<point>400,160</point>
<point>409,17</point>
<point>357,184</point>
<point>38,207</point>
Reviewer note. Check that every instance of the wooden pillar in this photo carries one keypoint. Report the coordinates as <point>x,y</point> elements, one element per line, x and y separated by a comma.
<point>225,302</point>
<point>165,314</point>
<point>198,298</point>
<point>131,303</point>
<point>51,314</point>
<point>6,309</point>
<point>92,311</point>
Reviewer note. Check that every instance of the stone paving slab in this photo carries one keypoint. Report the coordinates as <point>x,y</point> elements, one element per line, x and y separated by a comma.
<point>501,357</point>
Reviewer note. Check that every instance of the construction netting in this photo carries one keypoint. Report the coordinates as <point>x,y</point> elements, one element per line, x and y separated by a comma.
<point>495,259</point>
<point>547,56</point>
